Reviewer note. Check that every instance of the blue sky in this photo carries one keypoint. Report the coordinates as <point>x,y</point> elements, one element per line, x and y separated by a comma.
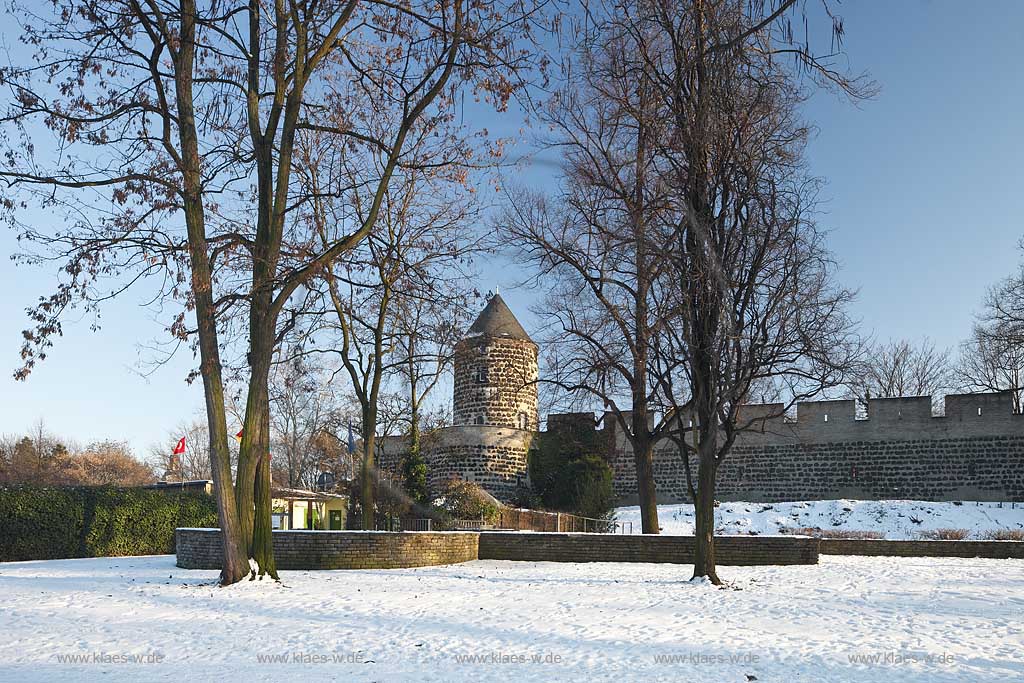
<point>924,204</point>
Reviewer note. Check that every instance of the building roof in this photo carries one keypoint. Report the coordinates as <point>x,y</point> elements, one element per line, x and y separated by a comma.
<point>205,484</point>
<point>282,493</point>
<point>497,320</point>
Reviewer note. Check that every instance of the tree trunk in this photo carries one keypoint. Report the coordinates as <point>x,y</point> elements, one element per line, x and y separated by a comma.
<point>414,467</point>
<point>414,473</point>
<point>245,475</point>
<point>263,541</point>
<point>704,510</point>
<point>414,433</point>
<point>252,488</point>
<point>234,564</point>
<point>252,485</point>
<point>643,456</point>
<point>643,444</point>
<point>368,480</point>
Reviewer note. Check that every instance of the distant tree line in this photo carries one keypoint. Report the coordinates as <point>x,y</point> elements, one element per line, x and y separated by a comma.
<point>40,458</point>
<point>991,359</point>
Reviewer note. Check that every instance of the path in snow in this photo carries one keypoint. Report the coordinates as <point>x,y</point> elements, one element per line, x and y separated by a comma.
<point>593,622</point>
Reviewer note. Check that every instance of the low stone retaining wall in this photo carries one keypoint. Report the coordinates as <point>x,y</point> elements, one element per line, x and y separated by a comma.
<point>201,549</point>
<point>879,547</point>
<point>729,550</point>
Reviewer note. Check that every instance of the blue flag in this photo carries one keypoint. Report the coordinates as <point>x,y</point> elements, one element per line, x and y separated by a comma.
<point>351,439</point>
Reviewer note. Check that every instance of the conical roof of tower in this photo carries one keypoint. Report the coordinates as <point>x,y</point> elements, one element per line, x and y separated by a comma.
<point>497,320</point>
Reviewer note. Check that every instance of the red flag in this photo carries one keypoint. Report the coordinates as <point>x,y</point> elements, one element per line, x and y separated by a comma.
<point>238,437</point>
<point>180,448</point>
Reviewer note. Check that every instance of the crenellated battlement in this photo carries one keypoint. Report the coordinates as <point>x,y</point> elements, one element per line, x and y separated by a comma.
<point>893,449</point>
<point>886,419</point>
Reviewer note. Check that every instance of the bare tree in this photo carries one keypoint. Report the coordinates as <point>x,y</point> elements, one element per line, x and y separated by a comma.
<point>304,412</point>
<point>902,368</point>
<point>1002,314</point>
<point>35,456</point>
<point>418,251</point>
<point>427,328</point>
<point>993,358</point>
<point>675,115</point>
<point>990,363</point>
<point>752,282</point>
<point>8,442</point>
<point>25,458</point>
<point>175,128</point>
<point>40,458</point>
<point>104,463</point>
<point>598,247</point>
<point>194,463</point>
<point>689,272</point>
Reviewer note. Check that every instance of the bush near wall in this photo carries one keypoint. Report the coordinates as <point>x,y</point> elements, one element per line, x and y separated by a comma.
<point>570,473</point>
<point>39,523</point>
<point>466,500</point>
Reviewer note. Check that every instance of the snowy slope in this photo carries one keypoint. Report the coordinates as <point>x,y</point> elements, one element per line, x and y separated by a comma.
<point>849,619</point>
<point>897,519</point>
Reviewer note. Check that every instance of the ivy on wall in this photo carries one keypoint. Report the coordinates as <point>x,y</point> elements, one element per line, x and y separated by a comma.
<point>569,473</point>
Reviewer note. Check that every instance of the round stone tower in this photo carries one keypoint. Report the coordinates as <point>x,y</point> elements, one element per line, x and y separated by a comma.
<point>496,372</point>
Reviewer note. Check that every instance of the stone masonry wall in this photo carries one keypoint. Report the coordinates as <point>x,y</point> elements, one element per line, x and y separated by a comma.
<point>729,550</point>
<point>495,382</point>
<point>978,468</point>
<point>201,549</point>
<point>1001,550</point>
<point>974,452</point>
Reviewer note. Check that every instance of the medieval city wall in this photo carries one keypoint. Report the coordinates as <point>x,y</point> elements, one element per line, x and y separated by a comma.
<point>899,450</point>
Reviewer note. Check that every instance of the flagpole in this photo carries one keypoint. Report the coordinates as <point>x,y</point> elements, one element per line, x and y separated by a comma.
<point>175,453</point>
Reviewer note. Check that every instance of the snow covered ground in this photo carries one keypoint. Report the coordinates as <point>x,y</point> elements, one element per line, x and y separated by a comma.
<point>847,619</point>
<point>897,519</point>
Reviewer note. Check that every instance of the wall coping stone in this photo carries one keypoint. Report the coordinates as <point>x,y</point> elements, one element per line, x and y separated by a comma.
<point>381,549</point>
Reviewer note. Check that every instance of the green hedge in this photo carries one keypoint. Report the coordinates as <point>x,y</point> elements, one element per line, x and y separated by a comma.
<point>51,523</point>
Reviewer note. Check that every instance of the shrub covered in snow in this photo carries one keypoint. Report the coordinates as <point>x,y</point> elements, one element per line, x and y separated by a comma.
<point>816,532</point>
<point>1004,535</point>
<point>944,534</point>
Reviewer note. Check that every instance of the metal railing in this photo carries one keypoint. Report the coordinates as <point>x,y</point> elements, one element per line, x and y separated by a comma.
<point>591,525</point>
<point>471,524</point>
<point>537,520</point>
<point>553,522</point>
<point>425,524</point>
